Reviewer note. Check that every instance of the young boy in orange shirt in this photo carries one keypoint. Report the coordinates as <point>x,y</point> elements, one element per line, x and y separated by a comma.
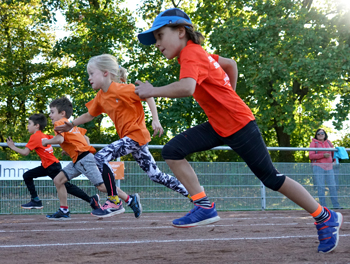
<point>77,146</point>
<point>50,165</point>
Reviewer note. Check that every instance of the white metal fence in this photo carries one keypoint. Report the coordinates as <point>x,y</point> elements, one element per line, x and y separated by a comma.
<point>230,184</point>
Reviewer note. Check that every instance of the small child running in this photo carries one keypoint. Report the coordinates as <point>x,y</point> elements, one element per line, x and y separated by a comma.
<point>50,166</point>
<point>76,145</point>
<point>211,80</point>
<point>125,109</point>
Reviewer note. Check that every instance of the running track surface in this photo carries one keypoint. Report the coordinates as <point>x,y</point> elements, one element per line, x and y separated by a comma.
<point>239,237</point>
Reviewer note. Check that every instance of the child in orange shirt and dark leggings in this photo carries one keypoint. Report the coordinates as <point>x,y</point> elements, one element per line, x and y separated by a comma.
<point>124,107</point>
<point>50,165</point>
<point>211,80</point>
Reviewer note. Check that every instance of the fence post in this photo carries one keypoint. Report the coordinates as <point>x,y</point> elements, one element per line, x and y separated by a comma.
<point>118,181</point>
<point>263,196</point>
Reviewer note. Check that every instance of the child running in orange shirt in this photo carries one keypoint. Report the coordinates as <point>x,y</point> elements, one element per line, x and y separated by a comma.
<point>211,80</point>
<point>77,146</point>
<point>50,166</point>
<point>124,107</point>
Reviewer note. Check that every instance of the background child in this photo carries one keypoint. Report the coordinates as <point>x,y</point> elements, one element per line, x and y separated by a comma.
<point>211,80</point>
<point>50,166</point>
<point>124,107</point>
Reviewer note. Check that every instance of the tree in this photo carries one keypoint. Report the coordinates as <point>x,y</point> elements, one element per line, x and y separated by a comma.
<point>97,27</point>
<point>26,69</point>
<point>291,61</point>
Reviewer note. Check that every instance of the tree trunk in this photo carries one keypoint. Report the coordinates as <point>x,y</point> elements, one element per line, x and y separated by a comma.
<point>284,141</point>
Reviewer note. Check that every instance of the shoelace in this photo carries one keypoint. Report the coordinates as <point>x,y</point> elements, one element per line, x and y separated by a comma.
<point>192,210</point>
<point>135,205</point>
<point>104,206</point>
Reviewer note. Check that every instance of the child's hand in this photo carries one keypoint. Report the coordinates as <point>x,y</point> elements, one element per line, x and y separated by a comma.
<point>157,127</point>
<point>64,128</point>
<point>10,142</point>
<point>326,155</point>
<point>44,142</point>
<point>143,90</point>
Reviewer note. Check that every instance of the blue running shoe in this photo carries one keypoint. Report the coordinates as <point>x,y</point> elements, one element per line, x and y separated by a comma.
<point>33,205</point>
<point>198,216</point>
<point>135,205</point>
<point>328,232</point>
<point>59,215</point>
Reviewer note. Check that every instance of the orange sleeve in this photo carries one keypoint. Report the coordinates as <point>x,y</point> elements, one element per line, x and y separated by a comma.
<point>215,57</point>
<point>194,63</point>
<point>82,130</point>
<point>33,142</point>
<point>59,123</point>
<point>94,106</point>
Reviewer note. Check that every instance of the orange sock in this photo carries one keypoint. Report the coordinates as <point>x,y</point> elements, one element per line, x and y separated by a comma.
<point>198,196</point>
<point>321,214</point>
<point>318,211</point>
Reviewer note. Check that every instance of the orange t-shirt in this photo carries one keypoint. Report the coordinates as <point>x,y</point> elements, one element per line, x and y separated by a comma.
<point>226,111</point>
<point>125,109</point>
<point>74,141</point>
<point>45,153</point>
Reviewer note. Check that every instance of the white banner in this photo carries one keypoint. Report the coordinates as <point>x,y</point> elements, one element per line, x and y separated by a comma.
<point>13,170</point>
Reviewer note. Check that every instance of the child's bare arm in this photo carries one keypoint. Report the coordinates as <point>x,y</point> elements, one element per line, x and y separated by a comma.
<point>157,127</point>
<point>87,139</point>
<point>12,146</point>
<point>58,139</point>
<point>183,88</point>
<point>230,67</point>
<point>84,118</point>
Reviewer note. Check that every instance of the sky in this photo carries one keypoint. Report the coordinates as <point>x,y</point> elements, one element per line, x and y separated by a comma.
<point>61,33</point>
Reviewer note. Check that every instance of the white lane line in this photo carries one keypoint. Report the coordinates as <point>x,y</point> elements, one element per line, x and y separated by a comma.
<point>104,221</point>
<point>93,220</point>
<point>135,227</point>
<point>159,241</point>
<point>128,220</point>
<point>53,230</point>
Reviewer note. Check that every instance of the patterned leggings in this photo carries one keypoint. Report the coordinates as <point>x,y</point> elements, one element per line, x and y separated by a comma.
<point>143,157</point>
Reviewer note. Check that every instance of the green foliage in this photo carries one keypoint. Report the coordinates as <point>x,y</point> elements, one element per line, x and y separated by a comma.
<point>95,30</point>
<point>24,78</point>
<point>288,58</point>
<point>293,60</point>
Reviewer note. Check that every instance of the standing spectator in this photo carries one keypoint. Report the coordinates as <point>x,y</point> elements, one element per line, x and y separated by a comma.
<point>322,162</point>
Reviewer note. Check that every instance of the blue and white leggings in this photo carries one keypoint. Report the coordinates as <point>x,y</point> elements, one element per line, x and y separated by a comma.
<point>143,157</point>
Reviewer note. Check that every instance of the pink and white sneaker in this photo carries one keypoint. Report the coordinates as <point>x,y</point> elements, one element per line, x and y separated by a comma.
<point>109,209</point>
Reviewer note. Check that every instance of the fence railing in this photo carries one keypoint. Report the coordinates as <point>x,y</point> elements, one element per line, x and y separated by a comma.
<point>230,184</point>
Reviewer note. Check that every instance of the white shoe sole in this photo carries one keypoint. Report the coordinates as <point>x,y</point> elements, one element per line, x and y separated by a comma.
<point>110,214</point>
<point>204,222</point>
<point>59,219</point>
